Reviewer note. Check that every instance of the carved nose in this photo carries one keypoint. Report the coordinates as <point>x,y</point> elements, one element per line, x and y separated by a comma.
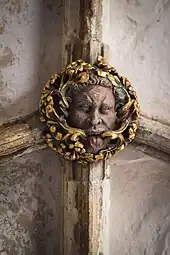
<point>95,119</point>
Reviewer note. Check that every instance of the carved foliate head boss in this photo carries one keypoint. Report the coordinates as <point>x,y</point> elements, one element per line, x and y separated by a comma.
<point>90,111</point>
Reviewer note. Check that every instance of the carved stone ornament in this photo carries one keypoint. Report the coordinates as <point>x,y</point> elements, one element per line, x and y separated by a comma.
<point>90,111</point>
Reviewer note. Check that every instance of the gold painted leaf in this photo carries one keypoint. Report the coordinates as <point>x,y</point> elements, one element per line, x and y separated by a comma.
<point>65,136</point>
<point>101,73</point>
<point>52,129</point>
<point>100,156</point>
<point>42,119</point>
<point>84,77</point>
<point>128,105</point>
<point>47,85</point>
<point>78,144</point>
<point>111,78</point>
<point>71,131</point>
<point>53,78</point>
<point>67,154</point>
<point>62,104</point>
<point>51,122</point>
<point>109,155</point>
<point>79,68</point>
<point>49,98</point>
<point>132,136</point>
<point>50,144</point>
<point>83,150</point>
<point>80,61</point>
<point>100,58</point>
<point>74,63</point>
<point>131,131</point>
<point>88,66</point>
<point>49,140</point>
<point>90,159</point>
<point>73,157</point>
<point>71,72</point>
<point>62,145</point>
<point>71,146</point>
<point>74,137</point>
<point>77,149</point>
<point>122,147</point>
<point>58,136</point>
<point>49,109</point>
<point>110,134</point>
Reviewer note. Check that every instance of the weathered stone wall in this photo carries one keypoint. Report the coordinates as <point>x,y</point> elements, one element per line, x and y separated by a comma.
<point>137,32</point>
<point>30,47</point>
<point>30,205</point>
<point>140,205</point>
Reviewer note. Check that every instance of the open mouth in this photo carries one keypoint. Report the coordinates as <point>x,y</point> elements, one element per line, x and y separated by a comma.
<point>95,142</point>
<point>94,133</point>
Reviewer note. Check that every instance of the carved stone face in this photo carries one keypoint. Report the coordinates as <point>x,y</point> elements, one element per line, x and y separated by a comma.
<point>92,109</point>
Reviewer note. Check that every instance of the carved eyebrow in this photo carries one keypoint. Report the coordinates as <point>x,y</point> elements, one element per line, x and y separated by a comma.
<point>89,98</point>
<point>111,105</point>
<point>103,99</point>
<point>82,104</point>
<point>106,106</point>
<point>83,98</point>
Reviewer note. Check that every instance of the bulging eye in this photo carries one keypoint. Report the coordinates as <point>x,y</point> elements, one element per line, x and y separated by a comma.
<point>105,109</point>
<point>84,108</point>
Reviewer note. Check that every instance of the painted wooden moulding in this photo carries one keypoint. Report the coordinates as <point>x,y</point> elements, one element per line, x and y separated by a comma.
<point>90,111</point>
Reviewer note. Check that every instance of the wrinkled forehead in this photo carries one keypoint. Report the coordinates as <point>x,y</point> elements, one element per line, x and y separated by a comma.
<point>96,94</point>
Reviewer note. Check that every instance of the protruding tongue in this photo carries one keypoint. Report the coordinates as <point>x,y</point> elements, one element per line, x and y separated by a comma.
<point>95,143</point>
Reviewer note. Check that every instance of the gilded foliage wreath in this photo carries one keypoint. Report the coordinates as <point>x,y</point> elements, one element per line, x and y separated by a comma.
<point>68,141</point>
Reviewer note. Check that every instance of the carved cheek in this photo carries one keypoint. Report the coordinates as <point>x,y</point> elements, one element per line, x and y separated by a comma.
<point>110,119</point>
<point>79,118</point>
